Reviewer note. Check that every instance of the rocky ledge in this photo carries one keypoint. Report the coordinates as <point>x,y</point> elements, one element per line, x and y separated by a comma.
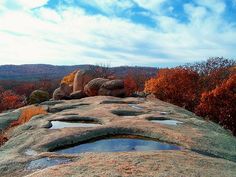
<point>202,148</point>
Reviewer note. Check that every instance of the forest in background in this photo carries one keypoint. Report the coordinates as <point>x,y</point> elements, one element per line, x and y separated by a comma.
<point>206,88</point>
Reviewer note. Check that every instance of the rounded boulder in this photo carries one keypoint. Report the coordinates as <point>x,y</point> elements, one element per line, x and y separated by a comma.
<point>78,95</point>
<point>38,96</point>
<point>113,88</point>
<point>92,88</point>
<point>81,79</point>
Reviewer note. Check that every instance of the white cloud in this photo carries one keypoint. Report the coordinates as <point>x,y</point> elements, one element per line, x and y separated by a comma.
<point>217,6</point>
<point>24,4</point>
<point>152,5</point>
<point>108,6</point>
<point>70,36</point>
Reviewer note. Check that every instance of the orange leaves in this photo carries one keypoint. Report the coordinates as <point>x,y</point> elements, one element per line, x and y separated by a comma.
<point>9,100</point>
<point>219,104</point>
<point>69,79</point>
<point>177,86</point>
<point>151,85</point>
<point>130,85</point>
<point>27,114</point>
<point>211,95</point>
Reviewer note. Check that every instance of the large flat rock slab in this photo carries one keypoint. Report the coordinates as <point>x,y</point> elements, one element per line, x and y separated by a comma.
<point>149,164</point>
<point>206,148</point>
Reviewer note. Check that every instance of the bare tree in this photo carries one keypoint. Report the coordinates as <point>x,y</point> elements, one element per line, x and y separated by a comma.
<point>212,64</point>
<point>101,70</point>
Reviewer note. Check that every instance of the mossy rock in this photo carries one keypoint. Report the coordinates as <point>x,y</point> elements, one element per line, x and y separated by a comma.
<point>38,96</point>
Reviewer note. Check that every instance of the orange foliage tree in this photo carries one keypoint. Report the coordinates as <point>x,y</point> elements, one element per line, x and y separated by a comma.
<point>25,89</point>
<point>69,79</point>
<point>10,100</point>
<point>139,77</point>
<point>130,85</point>
<point>178,86</point>
<point>219,105</point>
<point>212,71</point>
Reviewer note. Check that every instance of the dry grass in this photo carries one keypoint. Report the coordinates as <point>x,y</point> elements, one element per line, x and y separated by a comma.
<point>27,114</point>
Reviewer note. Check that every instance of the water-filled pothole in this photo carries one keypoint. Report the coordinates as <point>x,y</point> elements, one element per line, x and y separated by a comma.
<point>46,162</point>
<point>118,102</point>
<point>164,120</point>
<point>65,107</point>
<point>135,106</point>
<point>118,144</point>
<point>127,113</point>
<point>67,124</point>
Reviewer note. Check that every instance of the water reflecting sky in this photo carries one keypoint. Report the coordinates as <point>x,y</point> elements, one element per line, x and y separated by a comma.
<point>167,122</point>
<point>63,124</point>
<point>119,145</point>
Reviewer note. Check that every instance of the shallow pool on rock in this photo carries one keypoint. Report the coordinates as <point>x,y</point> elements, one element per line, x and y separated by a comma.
<point>127,113</point>
<point>135,106</point>
<point>66,124</point>
<point>118,145</point>
<point>167,122</point>
<point>164,120</point>
<point>46,162</point>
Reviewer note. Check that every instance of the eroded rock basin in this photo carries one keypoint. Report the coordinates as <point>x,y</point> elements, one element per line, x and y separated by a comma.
<point>67,124</point>
<point>164,121</point>
<point>118,144</point>
<point>167,122</point>
<point>193,145</point>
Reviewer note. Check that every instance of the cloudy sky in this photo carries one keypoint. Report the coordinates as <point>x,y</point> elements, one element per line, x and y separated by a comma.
<point>116,32</point>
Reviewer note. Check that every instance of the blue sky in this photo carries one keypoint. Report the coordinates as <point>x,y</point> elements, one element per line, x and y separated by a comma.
<point>116,32</point>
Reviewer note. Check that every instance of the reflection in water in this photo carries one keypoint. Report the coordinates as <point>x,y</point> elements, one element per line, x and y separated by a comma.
<point>119,145</point>
<point>46,162</point>
<point>63,124</point>
<point>167,122</point>
<point>135,106</point>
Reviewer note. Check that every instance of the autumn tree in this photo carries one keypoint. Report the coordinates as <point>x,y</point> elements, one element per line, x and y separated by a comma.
<point>102,71</point>
<point>139,76</point>
<point>212,72</point>
<point>178,86</point>
<point>69,79</point>
<point>25,88</point>
<point>130,85</point>
<point>10,100</point>
<point>219,105</point>
<point>210,65</point>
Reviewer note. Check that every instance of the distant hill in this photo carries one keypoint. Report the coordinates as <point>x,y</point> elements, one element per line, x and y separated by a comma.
<point>32,72</point>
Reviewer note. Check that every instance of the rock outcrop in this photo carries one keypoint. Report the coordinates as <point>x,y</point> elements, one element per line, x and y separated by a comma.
<point>78,94</point>
<point>63,92</point>
<point>204,148</point>
<point>86,84</point>
<point>82,77</point>
<point>38,96</point>
<point>112,88</point>
<point>92,88</point>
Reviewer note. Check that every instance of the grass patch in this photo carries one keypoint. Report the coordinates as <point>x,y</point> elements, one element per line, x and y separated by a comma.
<point>27,114</point>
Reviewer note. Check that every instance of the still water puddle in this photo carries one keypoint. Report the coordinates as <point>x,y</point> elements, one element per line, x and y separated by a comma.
<point>46,162</point>
<point>167,122</point>
<point>66,124</point>
<point>118,145</point>
<point>135,106</point>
